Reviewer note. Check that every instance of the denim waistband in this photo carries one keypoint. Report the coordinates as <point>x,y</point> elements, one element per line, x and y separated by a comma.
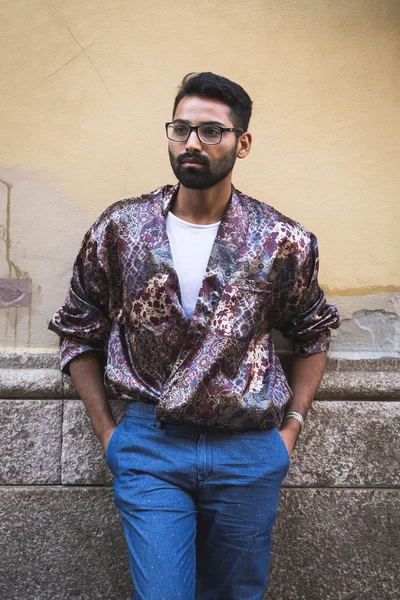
<point>146,410</point>
<point>140,409</point>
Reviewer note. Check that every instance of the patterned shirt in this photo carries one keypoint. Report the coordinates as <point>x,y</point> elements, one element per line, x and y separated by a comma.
<point>220,368</point>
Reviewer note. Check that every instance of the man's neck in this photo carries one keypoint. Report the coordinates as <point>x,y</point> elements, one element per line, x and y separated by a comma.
<point>202,206</point>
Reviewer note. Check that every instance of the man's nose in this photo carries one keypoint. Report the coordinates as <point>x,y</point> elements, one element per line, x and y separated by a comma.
<point>193,143</point>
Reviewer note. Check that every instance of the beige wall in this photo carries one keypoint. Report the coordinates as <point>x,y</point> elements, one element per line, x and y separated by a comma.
<point>87,87</point>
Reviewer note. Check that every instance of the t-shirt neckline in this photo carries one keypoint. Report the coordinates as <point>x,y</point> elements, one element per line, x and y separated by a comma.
<point>194,225</point>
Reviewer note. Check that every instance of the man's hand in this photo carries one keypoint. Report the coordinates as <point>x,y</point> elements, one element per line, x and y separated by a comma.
<point>87,374</point>
<point>305,378</point>
<point>289,433</point>
<point>105,438</point>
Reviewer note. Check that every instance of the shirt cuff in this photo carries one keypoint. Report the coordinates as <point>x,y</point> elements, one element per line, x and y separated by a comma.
<point>313,346</point>
<point>69,349</point>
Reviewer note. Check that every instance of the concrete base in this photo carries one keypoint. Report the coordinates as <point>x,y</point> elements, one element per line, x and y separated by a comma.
<point>332,544</point>
<point>337,536</point>
<point>60,543</point>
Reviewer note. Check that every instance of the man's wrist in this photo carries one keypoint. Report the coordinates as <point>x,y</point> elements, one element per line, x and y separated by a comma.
<point>104,430</point>
<point>291,425</point>
<point>292,414</point>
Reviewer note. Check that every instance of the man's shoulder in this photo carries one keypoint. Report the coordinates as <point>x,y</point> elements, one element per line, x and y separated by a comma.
<point>263,214</point>
<point>134,203</point>
<point>129,208</point>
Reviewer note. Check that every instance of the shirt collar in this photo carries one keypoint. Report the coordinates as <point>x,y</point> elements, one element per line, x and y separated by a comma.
<point>169,194</point>
<point>233,211</point>
<point>232,232</point>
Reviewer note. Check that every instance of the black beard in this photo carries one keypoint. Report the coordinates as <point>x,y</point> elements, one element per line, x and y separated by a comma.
<point>208,177</point>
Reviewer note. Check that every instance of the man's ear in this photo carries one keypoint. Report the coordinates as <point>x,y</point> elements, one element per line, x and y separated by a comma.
<point>244,145</point>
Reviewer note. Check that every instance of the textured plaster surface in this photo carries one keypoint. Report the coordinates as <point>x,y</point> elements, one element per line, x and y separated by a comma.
<point>15,292</point>
<point>43,235</point>
<point>370,324</point>
<point>370,327</point>
<point>81,79</point>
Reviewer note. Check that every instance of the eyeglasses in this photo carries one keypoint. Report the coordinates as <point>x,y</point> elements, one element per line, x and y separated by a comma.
<point>207,134</point>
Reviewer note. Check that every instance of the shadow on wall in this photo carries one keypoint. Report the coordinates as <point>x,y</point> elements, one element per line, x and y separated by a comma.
<point>40,233</point>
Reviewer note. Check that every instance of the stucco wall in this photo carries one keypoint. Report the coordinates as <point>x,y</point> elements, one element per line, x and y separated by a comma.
<point>87,87</point>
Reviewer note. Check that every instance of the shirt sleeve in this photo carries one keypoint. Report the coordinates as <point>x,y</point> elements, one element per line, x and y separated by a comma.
<point>307,318</point>
<point>83,322</point>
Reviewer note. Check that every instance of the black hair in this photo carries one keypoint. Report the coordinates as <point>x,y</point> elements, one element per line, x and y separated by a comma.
<point>215,87</point>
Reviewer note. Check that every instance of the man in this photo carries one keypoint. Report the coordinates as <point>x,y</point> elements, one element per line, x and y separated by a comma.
<point>185,285</point>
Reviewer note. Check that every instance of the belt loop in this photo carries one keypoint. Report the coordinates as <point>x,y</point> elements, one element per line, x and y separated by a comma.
<point>160,425</point>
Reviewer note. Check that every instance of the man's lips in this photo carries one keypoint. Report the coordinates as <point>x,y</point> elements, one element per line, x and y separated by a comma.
<point>191,161</point>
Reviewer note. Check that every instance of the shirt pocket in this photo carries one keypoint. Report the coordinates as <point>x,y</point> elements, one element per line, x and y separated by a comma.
<point>241,310</point>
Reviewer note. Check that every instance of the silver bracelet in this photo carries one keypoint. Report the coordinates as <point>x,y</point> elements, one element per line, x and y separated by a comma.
<point>294,415</point>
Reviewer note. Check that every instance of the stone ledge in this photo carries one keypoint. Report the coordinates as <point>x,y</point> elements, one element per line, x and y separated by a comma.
<point>51,383</point>
<point>359,384</point>
<point>31,383</point>
<point>82,459</point>
<point>15,360</point>
<point>22,360</point>
<point>364,364</point>
<point>352,443</point>
<point>344,444</point>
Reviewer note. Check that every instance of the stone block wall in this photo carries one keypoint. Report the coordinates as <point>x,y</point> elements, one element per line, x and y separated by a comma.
<point>337,534</point>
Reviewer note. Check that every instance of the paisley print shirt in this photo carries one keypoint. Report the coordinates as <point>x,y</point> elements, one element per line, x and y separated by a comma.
<point>220,368</point>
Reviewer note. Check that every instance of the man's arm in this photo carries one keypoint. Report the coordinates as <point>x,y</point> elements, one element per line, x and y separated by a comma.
<point>304,380</point>
<point>307,319</point>
<point>87,374</point>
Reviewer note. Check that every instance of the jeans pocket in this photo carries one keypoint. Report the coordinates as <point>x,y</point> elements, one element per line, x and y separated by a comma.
<point>110,453</point>
<point>283,447</point>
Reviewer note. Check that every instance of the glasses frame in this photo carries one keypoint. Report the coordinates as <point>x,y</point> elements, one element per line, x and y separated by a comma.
<point>196,129</point>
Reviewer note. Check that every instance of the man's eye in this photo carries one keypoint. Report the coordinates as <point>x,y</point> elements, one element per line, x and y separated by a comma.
<point>211,131</point>
<point>180,129</point>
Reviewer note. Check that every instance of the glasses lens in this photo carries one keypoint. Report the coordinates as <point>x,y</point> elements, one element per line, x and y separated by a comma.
<point>210,134</point>
<point>178,132</point>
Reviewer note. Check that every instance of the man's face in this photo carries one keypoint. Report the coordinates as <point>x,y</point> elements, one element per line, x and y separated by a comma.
<point>195,164</point>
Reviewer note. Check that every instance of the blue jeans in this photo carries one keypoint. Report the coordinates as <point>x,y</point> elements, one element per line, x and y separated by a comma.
<point>197,504</point>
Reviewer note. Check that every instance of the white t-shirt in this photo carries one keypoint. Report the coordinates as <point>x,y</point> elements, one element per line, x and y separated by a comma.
<point>191,247</point>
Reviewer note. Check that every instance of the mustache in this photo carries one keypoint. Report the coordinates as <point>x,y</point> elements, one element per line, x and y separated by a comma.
<point>204,160</point>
